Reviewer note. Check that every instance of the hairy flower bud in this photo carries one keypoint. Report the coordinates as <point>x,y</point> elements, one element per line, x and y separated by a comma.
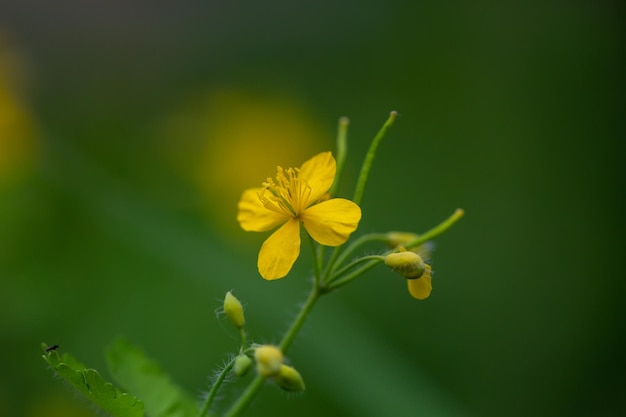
<point>242,364</point>
<point>289,379</point>
<point>234,310</point>
<point>408,264</point>
<point>268,360</point>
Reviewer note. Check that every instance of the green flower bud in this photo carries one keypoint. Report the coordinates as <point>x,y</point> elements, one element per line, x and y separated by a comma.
<point>289,379</point>
<point>242,365</point>
<point>408,264</point>
<point>234,310</point>
<point>268,360</point>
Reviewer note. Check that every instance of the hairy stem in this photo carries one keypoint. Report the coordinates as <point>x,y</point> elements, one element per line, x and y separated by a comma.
<point>255,385</point>
<point>214,389</point>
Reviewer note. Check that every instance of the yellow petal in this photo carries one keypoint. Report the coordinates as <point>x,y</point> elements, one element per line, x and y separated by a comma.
<point>253,216</point>
<point>280,251</point>
<point>420,288</point>
<point>319,173</point>
<point>331,222</point>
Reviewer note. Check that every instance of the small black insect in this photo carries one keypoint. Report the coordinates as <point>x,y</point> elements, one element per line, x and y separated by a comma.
<point>51,348</point>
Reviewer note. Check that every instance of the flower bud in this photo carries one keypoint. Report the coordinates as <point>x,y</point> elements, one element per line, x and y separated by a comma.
<point>268,360</point>
<point>421,288</point>
<point>289,379</point>
<point>234,310</point>
<point>408,264</point>
<point>242,365</point>
<point>395,239</point>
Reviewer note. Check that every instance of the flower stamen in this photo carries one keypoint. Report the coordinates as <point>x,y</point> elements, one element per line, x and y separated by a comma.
<point>290,193</point>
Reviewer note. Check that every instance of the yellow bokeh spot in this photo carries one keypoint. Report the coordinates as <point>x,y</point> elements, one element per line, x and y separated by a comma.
<point>17,138</point>
<point>238,142</point>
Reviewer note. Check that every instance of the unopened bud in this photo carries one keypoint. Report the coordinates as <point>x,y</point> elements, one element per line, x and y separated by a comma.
<point>421,288</point>
<point>395,239</point>
<point>408,264</point>
<point>289,379</point>
<point>242,365</point>
<point>268,360</point>
<point>234,310</point>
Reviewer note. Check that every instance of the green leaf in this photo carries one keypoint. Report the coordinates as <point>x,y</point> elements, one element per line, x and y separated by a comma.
<point>139,374</point>
<point>91,385</point>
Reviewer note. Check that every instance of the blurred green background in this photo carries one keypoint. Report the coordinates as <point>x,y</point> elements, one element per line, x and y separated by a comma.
<point>129,129</point>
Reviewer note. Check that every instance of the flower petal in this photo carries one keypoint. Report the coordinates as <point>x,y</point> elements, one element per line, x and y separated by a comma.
<point>253,216</point>
<point>420,288</point>
<point>331,222</point>
<point>319,173</point>
<point>280,251</point>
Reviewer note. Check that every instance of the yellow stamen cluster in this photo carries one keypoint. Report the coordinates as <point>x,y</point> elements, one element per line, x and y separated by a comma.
<point>289,193</point>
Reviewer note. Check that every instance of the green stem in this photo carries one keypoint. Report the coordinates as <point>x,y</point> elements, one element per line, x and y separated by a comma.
<point>342,151</point>
<point>321,253</point>
<point>248,395</point>
<point>352,264</point>
<point>300,319</point>
<point>317,260</point>
<point>355,274</point>
<point>336,259</point>
<point>329,266</point>
<point>242,333</point>
<point>214,389</point>
<point>360,241</point>
<point>369,158</point>
<point>437,230</point>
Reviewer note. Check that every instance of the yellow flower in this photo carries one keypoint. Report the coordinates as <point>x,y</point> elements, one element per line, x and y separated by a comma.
<point>298,195</point>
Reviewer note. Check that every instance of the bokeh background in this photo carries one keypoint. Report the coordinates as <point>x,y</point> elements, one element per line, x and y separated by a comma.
<point>129,129</point>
